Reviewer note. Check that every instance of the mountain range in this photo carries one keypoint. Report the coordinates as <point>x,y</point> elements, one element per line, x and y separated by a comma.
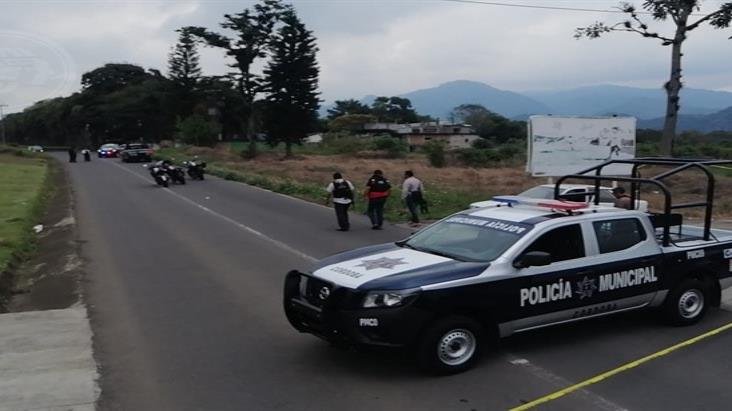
<point>703,110</point>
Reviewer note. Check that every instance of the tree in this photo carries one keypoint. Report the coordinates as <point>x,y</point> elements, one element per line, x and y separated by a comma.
<point>351,123</point>
<point>344,107</point>
<point>112,77</point>
<point>394,110</point>
<point>488,124</point>
<point>291,78</point>
<point>183,66</point>
<point>184,71</point>
<point>253,30</point>
<point>197,130</point>
<point>679,11</point>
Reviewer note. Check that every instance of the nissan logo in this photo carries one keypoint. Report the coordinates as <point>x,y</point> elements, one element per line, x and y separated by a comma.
<point>324,293</point>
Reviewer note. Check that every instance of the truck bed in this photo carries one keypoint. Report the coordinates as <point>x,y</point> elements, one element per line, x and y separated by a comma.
<point>687,233</point>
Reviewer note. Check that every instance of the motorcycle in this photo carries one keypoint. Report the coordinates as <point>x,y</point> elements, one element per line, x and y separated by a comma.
<point>195,169</point>
<point>159,173</point>
<point>87,154</point>
<point>177,175</point>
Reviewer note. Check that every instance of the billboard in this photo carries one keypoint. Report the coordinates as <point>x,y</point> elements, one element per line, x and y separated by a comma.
<point>566,145</point>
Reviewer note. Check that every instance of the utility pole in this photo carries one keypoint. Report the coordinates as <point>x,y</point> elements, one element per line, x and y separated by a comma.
<point>2,122</point>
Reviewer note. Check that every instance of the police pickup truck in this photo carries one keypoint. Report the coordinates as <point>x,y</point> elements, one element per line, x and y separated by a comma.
<point>519,265</point>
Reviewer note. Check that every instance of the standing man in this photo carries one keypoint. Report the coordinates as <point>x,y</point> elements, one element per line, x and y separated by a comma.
<point>377,191</point>
<point>341,191</point>
<point>72,154</point>
<point>412,195</point>
<point>622,200</point>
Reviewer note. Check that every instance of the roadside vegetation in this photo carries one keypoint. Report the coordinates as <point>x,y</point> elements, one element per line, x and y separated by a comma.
<point>251,124</point>
<point>24,188</point>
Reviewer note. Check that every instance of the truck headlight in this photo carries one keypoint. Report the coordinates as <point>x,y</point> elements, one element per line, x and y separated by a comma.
<point>386,299</point>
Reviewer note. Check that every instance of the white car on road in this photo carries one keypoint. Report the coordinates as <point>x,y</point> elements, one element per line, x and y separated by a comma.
<point>569,192</point>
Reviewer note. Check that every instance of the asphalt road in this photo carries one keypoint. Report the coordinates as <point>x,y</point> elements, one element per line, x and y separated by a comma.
<point>184,286</point>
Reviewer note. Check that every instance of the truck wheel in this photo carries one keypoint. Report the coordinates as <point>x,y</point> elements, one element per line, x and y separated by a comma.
<point>687,303</point>
<point>450,345</point>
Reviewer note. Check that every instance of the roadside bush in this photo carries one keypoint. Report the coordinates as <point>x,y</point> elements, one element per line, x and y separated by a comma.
<point>199,131</point>
<point>474,157</point>
<point>343,143</point>
<point>507,153</point>
<point>436,153</point>
<point>482,144</point>
<point>394,147</point>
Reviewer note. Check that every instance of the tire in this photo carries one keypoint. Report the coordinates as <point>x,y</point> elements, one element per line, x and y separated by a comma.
<point>450,345</point>
<point>687,303</point>
<point>165,183</point>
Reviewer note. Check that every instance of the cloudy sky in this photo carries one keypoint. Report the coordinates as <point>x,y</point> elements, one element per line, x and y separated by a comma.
<point>383,47</point>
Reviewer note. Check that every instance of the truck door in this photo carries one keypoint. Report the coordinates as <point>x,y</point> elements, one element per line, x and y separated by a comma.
<point>624,263</point>
<point>552,293</point>
<point>597,267</point>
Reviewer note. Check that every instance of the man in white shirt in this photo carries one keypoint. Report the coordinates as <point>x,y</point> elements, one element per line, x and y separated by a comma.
<point>412,195</point>
<point>341,191</point>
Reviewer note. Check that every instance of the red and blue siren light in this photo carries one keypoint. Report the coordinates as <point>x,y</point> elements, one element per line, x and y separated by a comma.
<point>541,202</point>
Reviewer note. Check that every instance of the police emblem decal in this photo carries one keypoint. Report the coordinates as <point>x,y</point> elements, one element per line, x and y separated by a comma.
<point>324,293</point>
<point>383,262</point>
<point>586,288</point>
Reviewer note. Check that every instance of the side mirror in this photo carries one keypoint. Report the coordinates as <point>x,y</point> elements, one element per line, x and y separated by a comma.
<point>532,259</point>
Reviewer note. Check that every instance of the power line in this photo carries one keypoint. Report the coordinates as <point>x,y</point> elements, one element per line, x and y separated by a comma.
<point>529,6</point>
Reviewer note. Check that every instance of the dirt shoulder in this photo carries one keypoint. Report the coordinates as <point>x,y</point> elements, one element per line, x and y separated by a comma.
<point>50,278</point>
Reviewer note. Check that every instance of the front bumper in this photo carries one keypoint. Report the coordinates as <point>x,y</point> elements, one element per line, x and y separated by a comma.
<point>340,318</point>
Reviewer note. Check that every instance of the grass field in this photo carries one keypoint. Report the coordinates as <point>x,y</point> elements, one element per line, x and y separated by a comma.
<point>22,185</point>
<point>448,189</point>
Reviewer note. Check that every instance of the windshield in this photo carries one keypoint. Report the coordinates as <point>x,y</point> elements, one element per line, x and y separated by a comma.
<point>468,238</point>
<point>539,192</point>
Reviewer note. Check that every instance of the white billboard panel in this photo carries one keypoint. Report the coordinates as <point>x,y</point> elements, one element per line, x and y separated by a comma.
<point>566,145</point>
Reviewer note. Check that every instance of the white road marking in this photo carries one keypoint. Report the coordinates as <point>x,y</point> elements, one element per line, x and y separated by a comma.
<point>597,401</point>
<point>229,220</point>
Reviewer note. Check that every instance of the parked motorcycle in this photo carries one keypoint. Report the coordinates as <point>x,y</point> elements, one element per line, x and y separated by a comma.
<point>159,173</point>
<point>177,175</point>
<point>87,154</point>
<point>195,169</point>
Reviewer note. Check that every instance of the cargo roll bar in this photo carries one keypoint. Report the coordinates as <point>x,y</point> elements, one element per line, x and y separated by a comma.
<point>678,165</point>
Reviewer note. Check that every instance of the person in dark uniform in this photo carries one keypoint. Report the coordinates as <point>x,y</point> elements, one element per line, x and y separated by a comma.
<point>341,191</point>
<point>377,191</point>
<point>72,154</point>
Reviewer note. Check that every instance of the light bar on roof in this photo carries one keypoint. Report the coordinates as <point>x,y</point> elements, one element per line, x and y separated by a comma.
<point>541,202</point>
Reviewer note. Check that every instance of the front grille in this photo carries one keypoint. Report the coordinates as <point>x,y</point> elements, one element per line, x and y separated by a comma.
<point>315,291</point>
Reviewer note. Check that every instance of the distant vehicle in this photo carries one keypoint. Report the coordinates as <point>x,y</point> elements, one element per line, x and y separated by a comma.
<point>569,192</point>
<point>35,149</point>
<point>136,152</point>
<point>108,150</point>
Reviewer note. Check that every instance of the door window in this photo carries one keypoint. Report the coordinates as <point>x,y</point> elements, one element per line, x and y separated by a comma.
<point>563,243</point>
<point>616,235</point>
